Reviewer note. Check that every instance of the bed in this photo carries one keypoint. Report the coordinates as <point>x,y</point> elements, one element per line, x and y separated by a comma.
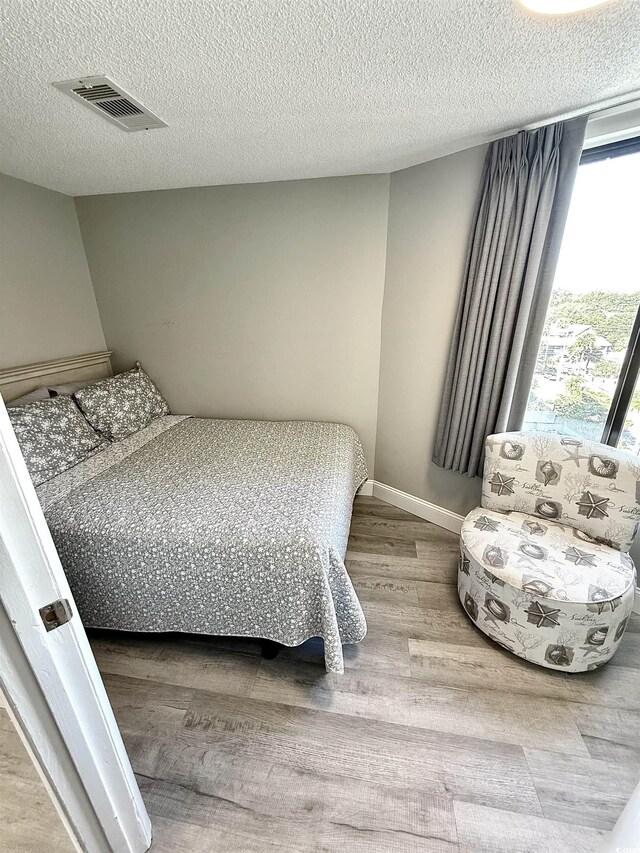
<point>223,527</point>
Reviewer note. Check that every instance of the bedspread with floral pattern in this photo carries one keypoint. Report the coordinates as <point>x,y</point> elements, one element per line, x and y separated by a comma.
<point>215,526</point>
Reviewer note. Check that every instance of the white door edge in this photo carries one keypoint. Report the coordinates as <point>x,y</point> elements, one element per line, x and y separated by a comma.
<point>51,679</point>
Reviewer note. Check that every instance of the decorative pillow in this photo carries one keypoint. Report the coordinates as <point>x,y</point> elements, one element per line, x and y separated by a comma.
<point>53,436</point>
<point>38,394</point>
<point>122,405</point>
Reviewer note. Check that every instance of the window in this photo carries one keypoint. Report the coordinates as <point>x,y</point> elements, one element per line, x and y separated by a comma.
<point>586,376</point>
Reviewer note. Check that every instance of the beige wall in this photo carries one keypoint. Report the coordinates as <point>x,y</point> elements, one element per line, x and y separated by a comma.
<point>430,213</point>
<point>47,306</point>
<point>258,301</point>
<point>261,300</point>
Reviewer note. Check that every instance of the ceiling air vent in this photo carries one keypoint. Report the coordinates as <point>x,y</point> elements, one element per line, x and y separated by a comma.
<point>107,98</point>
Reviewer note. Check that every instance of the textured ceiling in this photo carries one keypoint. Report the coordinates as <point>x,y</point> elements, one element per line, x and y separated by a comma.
<point>262,90</point>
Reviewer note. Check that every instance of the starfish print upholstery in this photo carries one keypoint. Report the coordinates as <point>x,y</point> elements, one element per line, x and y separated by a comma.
<point>579,558</point>
<point>542,616</point>
<point>501,485</point>
<point>593,650</point>
<point>572,450</point>
<point>484,523</point>
<point>593,506</point>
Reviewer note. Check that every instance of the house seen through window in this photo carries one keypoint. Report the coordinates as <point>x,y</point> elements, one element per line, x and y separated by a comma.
<point>586,377</point>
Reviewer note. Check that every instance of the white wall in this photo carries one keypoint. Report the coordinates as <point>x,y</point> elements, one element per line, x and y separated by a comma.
<point>47,305</point>
<point>251,301</point>
<point>430,212</point>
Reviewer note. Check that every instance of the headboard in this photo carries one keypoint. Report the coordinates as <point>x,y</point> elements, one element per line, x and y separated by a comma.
<point>16,381</point>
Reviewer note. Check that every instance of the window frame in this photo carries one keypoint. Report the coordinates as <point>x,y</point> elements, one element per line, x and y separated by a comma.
<point>627,380</point>
<point>610,150</point>
<point>614,424</point>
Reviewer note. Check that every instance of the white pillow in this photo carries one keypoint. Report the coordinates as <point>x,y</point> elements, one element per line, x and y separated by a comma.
<point>68,389</point>
<point>38,394</point>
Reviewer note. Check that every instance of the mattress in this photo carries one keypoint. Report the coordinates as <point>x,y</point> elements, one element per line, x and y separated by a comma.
<point>223,527</point>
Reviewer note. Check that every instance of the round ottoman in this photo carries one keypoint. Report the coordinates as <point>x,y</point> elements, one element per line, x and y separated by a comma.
<point>546,592</point>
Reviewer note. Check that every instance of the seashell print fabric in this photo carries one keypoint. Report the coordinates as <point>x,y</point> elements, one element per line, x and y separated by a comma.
<point>215,527</point>
<point>546,592</point>
<point>555,563</point>
<point>556,478</point>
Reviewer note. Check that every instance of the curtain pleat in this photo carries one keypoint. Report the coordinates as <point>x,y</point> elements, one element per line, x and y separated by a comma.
<point>518,222</point>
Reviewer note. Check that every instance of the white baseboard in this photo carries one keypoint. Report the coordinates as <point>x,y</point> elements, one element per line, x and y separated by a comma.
<point>417,506</point>
<point>367,488</point>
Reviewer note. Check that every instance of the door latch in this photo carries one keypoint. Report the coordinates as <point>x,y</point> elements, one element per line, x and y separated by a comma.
<point>56,614</point>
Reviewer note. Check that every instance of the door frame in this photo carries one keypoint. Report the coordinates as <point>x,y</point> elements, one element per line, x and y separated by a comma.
<point>51,681</point>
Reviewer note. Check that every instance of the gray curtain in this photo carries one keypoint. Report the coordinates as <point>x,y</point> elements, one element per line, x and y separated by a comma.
<point>519,219</point>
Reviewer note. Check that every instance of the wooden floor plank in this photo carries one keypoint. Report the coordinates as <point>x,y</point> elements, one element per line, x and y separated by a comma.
<point>376,588</point>
<point>476,666</point>
<point>573,789</point>
<point>409,528</point>
<point>401,568</point>
<point>29,822</point>
<point>171,835</point>
<point>414,702</point>
<point>440,547</point>
<point>178,662</point>
<point>369,750</point>
<point>277,801</point>
<point>610,730</point>
<point>489,830</point>
<point>370,507</point>
<point>379,651</point>
<point>159,707</point>
<point>628,653</point>
<point>390,545</point>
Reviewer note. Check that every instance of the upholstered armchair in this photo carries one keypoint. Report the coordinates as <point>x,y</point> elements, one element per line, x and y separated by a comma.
<point>544,569</point>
